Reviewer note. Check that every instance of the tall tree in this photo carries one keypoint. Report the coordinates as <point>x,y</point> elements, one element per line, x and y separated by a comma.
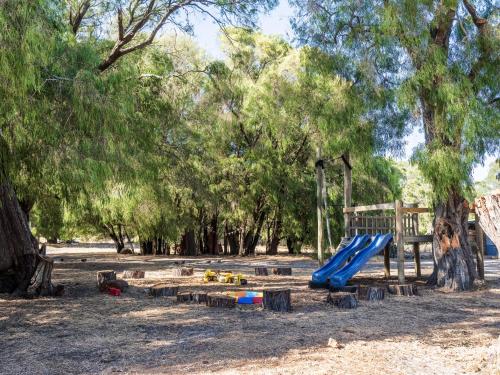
<point>64,121</point>
<point>441,60</point>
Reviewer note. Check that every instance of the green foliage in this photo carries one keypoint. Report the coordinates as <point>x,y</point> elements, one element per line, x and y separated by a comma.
<point>491,182</point>
<point>418,61</point>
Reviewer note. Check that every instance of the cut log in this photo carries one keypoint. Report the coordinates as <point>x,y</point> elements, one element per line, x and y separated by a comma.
<point>199,297</point>
<point>220,300</point>
<point>277,300</point>
<point>347,289</point>
<point>163,290</point>
<point>184,297</point>
<point>343,300</point>
<point>403,289</point>
<point>103,276</point>
<point>183,271</point>
<point>117,284</point>
<point>283,271</point>
<point>371,293</point>
<point>261,271</point>
<point>134,274</point>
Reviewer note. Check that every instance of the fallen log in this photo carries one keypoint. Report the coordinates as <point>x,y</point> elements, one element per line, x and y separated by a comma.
<point>163,290</point>
<point>220,300</point>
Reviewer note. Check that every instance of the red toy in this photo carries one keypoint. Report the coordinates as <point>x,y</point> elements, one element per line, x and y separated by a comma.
<point>114,292</point>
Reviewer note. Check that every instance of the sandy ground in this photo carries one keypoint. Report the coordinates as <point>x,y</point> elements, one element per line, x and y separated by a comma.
<point>86,332</point>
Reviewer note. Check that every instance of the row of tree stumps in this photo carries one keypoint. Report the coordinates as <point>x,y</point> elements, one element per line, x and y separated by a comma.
<point>347,297</point>
<point>273,299</point>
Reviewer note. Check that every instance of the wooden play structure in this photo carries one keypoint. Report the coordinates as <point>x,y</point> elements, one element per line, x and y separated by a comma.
<point>399,218</point>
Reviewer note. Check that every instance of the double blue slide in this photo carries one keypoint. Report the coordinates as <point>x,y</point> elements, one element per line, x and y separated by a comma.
<point>335,274</point>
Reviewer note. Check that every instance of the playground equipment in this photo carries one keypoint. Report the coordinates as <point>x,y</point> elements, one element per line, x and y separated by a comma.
<point>224,277</point>
<point>321,275</point>
<point>379,242</point>
<point>246,297</point>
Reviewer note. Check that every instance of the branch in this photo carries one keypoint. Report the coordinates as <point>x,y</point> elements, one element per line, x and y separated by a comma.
<point>478,21</point>
<point>75,20</point>
<point>125,38</point>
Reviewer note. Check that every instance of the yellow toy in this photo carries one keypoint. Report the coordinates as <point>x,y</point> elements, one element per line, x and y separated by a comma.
<point>209,276</point>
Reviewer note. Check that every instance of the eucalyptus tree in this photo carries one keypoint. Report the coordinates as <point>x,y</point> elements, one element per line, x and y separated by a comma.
<point>438,62</point>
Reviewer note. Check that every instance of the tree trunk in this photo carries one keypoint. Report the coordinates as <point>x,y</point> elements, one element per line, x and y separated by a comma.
<point>454,266</point>
<point>274,240</point>
<point>188,243</point>
<point>488,211</point>
<point>18,248</point>
<point>293,244</point>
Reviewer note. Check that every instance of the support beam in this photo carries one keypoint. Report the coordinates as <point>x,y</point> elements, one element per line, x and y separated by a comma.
<point>416,254</point>
<point>480,247</point>
<point>319,203</point>
<point>399,242</point>
<point>387,261</point>
<point>347,193</point>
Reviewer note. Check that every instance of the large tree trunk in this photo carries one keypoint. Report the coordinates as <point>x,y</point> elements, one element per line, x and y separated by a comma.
<point>18,248</point>
<point>274,234</point>
<point>454,266</point>
<point>188,243</point>
<point>155,246</point>
<point>116,235</point>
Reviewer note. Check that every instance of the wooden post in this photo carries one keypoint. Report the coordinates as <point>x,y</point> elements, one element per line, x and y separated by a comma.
<point>347,192</point>
<point>387,261</point>
<point>480,247</point>
<point>416,254</point>
<point>399,242</point>
<point>319,203</point>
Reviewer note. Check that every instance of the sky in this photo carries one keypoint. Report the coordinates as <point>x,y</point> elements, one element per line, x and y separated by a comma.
<point>277,22</point>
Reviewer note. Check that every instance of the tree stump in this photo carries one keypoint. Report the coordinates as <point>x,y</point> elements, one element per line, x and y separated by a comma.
<point>118,284</point>
<point>103,276</point>
<point>220,300</point>
<point>343,300</point>
<point>283,271</point>
<point>347,289</point>
<point>163,290</point>
<point>403,289</point>
<point>184,297</point>
<point>199,297</point>
<point>134,274</point>
<point>277,300</point>
<point>371,293</point>
<point>41,282</point>
<point>261,271</point>
<point>127,251</point>
<point>183,271</point>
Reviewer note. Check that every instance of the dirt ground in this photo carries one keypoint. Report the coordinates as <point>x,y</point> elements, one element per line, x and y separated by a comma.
<point>86,332</point>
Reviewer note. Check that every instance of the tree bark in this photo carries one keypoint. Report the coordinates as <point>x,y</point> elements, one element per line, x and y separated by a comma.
<point>18,248</point>
<point>188,243</point>
<point>454,266</point>
<point>488,211</point>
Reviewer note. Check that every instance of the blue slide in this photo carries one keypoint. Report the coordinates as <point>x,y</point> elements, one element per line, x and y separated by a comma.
<point>341,277</point>
<point>321,275</point>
